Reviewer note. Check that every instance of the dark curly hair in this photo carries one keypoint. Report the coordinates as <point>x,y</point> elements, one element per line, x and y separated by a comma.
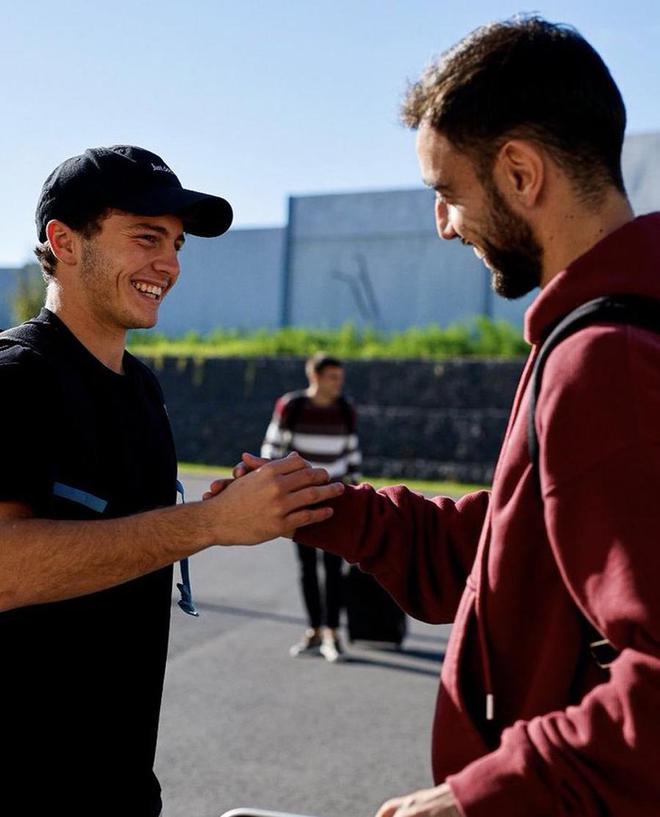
<point>531,79</point>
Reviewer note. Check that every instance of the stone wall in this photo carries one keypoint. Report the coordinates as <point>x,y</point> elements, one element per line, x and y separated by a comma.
<point>440,419</point>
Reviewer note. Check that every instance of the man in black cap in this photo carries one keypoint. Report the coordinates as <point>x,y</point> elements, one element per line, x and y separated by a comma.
<point>89,475</point>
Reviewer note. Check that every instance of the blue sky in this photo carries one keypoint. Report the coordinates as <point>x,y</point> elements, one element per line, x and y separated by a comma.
<point>256,100</point>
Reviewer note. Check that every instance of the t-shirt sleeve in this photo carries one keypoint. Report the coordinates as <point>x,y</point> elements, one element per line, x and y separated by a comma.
<point>24,428</point>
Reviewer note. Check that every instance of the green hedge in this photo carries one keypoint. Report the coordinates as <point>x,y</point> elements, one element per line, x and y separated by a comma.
<point>480,337</point>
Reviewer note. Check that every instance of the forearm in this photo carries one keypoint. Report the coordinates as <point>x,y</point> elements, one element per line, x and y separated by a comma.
<point>43,560</point>
<point>421,550</point>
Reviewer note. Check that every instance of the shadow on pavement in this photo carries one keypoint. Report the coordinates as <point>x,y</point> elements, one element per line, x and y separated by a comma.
<point>259,614</point>
<point>383,664</point>
<point>386,658</point>
<point>436,656</point>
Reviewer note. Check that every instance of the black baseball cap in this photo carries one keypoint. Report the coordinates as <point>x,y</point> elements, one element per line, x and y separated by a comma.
<point>131,179</point>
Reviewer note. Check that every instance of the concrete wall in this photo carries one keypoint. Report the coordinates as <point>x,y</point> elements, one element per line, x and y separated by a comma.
<point>375,259</point>
<point>233,282</point>
<point>416,419</point>
<point>372,258</point>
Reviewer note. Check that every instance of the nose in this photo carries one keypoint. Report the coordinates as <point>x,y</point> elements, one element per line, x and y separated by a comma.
<point>442,220</point>
<point>168,262</point>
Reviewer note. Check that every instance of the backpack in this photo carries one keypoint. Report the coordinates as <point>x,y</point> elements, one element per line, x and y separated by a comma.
<point>632,310</point>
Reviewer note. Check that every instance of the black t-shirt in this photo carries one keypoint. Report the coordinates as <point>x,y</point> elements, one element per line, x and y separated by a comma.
<point>81,680</point>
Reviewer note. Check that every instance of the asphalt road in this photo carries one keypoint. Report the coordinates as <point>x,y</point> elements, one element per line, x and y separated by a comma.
<point>243,724</point>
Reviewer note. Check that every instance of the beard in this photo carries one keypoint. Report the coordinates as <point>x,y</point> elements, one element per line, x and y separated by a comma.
<point>513,253</point>
<point>94,266</point>
<point>98,276</point>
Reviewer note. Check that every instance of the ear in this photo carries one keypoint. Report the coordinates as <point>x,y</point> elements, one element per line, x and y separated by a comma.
<point>63,241</point>
<point>520,172</point>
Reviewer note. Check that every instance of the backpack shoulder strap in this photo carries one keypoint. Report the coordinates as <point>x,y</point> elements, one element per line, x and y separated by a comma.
<point>630,310</point>
<point>25,335</point>
<point>294,408</point>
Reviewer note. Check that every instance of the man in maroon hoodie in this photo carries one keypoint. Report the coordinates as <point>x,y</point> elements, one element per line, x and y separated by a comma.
<point>519,132</point>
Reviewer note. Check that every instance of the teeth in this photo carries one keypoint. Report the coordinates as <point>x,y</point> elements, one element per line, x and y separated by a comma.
<point>149,289</point>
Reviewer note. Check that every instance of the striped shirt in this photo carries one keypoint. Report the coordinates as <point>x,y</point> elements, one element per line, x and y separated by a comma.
<point>324,435</point>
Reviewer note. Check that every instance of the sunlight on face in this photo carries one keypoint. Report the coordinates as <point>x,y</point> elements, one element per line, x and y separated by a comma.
<point>478,214</point>
<point>128,267</point>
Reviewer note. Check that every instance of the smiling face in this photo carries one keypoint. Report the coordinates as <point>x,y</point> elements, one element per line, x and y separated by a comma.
<point>478,215</point>
<point>127,268</point>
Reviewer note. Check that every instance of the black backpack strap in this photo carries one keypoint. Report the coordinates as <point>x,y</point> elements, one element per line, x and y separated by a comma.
<point>631,310</point>
<point>25,335</point>
<point>294,409</point>
<point>622,309</point>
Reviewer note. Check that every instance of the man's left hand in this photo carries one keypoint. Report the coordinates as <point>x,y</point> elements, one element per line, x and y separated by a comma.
<point>437,802</point>
<point>247,464</point>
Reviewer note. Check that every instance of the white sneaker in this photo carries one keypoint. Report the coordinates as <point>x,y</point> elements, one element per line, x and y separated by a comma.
<point>308,645</point>
<point>331,649</point>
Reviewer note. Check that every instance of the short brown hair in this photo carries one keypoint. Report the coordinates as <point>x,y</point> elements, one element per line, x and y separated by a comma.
<point>320,361</point>
<point>88,228</point>
<point>526,78</point>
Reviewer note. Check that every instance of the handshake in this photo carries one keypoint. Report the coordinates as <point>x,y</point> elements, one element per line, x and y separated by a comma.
<point>265,499</point>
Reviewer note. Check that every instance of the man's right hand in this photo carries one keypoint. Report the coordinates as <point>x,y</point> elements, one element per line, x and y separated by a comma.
<point>272,500</point>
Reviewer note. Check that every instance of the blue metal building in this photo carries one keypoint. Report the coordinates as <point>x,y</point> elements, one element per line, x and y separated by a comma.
<point>370,258</point>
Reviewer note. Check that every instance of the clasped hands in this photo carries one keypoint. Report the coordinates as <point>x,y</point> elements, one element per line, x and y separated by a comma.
<point>268,498</point>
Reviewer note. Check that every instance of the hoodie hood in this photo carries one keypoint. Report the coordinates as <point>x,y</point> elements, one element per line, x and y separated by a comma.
<point>627,261</point>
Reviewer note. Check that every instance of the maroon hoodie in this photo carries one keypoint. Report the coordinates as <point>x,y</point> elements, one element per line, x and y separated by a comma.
<point>518,570</point>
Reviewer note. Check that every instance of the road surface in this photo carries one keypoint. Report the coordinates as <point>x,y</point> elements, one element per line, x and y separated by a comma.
<point>245,724</point>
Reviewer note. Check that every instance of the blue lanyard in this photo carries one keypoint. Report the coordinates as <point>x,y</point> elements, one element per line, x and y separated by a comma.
<point>186,601</point>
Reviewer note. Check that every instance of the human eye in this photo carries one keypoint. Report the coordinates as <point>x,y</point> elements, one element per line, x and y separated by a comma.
<point>148,238</point>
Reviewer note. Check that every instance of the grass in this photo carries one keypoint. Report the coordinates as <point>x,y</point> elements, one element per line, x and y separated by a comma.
<point>427,486</point>
<point>480,337</point>
<point>439,488</point>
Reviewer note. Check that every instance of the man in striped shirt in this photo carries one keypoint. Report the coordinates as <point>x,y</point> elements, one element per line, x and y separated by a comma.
<point>320,424</point>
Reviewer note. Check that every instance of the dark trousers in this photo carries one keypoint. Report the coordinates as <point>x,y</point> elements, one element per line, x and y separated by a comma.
<point>319,613</point>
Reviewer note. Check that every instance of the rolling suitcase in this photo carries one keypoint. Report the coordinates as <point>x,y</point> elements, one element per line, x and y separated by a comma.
<point>373,615</point>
